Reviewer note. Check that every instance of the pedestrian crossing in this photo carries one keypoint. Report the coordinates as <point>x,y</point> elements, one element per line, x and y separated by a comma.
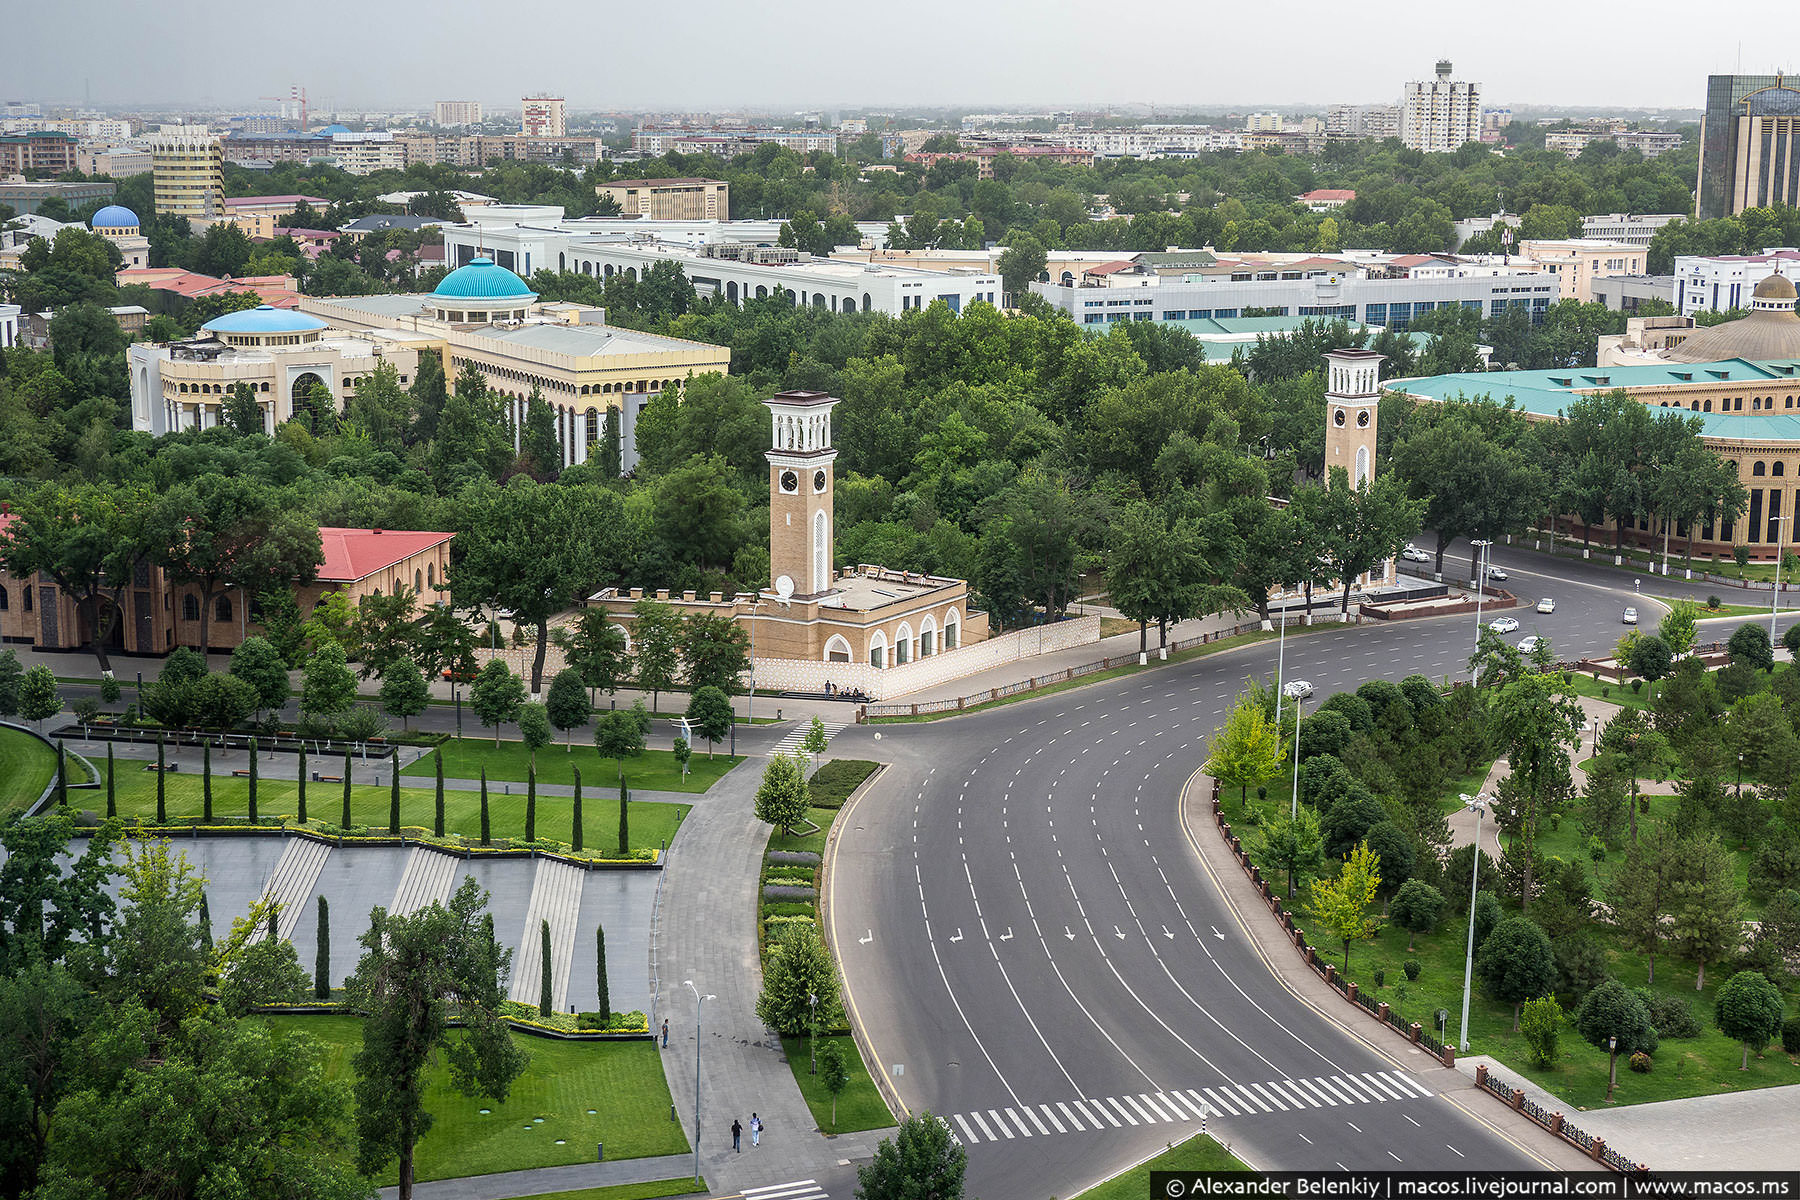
<point>800,1189</point>
<point>791,743</point>
<point>1177,1105</point>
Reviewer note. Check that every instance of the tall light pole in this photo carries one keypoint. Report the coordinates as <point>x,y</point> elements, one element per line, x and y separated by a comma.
<point>1299,711</point>
<point>1280,661</point>
<point>1775,604</point>
<point>812,1041</point>
<point>700,1003</point>
<point>1481,547</point>
<point>1477,804</point>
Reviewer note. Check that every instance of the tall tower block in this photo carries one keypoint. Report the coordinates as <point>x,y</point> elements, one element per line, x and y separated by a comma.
<point>801,515</point>
<point>1352,397</point>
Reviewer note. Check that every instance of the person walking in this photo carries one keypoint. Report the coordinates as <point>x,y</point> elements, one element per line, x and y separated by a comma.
<point>737,1135</point>
<point>665,1035</point>
<point>755,1130</point>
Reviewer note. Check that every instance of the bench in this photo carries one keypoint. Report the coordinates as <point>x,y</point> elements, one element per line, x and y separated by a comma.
<point>241,773</point>
<point>318,778</point>
<point>174,766</point>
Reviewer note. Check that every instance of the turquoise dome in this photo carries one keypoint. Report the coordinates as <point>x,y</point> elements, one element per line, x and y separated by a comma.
<point>483,280</point>
<point>264,319</point>
<point>114,216</point>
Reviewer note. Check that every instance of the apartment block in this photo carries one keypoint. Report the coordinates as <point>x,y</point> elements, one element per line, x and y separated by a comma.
<point>690,199</point>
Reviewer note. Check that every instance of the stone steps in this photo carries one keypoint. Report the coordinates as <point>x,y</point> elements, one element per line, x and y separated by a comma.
<point>555,897</point>
<point>292,880</point>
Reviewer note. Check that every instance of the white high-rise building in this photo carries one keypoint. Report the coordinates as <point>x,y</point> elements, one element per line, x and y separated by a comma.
<point>544,117</point>
<point>457,112</point>
<point>1439,115</point>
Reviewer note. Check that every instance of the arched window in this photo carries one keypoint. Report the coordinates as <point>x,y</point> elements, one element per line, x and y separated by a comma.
<point>903,644</point>
<point>878,649</point>
<point>190,607</point>
<point>952,627</point>
<point>1756,469</point>
<point>821,554</point>
<point>866,302</point>
<point>25,593</point>
<point>418,581</point>
<point>927,637</point>
<point>1362,466</point>
<point>1779,469</point>
<point>837,650</point>
<point>222,610</point>
<point>1707,407</point>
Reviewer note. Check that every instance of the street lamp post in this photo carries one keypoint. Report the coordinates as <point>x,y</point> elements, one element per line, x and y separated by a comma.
<point>1299,711</point>
<point>1612,1065</point>
<point>1280,661</point>
<point>1476,803</point>
<point>699,1004</point>
<point>1481,546</point>
<point>812,1041</point>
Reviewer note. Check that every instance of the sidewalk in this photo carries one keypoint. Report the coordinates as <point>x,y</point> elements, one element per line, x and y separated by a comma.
<point>1277,950</point>
<point>507,1184</point>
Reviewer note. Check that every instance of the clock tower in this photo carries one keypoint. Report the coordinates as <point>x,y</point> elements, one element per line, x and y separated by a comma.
<point>1352,397</point>
<point>801,516</point>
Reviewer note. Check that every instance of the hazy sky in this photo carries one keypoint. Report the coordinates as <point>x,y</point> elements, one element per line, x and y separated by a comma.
<point>721,54</point>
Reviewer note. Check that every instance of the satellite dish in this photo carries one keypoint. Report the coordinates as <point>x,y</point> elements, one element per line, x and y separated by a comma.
<point>784,587</point>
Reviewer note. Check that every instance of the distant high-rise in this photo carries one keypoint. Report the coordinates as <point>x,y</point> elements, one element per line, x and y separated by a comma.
<point>189,174</point>
<point>1439,115</point>
<point>544,117</point>
<point>1748,151</point>
<point>456,112</point>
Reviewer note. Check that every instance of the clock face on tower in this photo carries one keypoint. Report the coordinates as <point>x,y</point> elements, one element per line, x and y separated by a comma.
<point>1337,418</point>
<point>1362,419</point>
<point>818,481</point>
<point>790,482</point>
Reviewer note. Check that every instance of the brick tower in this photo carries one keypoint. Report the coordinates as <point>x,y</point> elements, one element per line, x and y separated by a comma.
<point>800,492</point>
<point>1352,394</point>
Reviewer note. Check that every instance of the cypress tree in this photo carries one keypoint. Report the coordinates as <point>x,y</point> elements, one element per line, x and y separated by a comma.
<point>545,1004</point>
<point>346,821</point>
<point>205,924</point>
<point>624,821</point>
<point>62,775</point>
<point>253,781</point>
<point>575,839</point>
<point>484,806</point>
<point>112,802</point>
<point>531,804</point>
<point>437,824</point>
<point>302,778</point>
<point>206,782</point>
<point>162,809</point>
<point>394,799</point>
<point>604,1006</point>
<point>274,921</point>
<point>322,964</point>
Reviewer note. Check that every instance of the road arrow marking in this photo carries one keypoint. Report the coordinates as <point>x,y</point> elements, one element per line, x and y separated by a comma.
<point>1118,933</point>
<point>1216,932</point>
<point>863,941</point>
<point>1166,932</point>
<point>1068,933</point>
<point>1007,936</point>
<point>958,936</point>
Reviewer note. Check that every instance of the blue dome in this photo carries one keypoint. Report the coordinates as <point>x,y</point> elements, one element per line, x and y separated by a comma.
<point>329,129</point>
<point>114,216</point>
<point>482,280</point>
<point>264,319</point>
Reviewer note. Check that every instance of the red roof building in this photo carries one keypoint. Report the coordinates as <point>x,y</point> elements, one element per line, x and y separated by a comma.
<point>352,555</point>
<point>1320,199</point>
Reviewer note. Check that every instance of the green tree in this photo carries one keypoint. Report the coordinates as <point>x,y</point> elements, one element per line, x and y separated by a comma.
<point>242,412</point>
<point>1516,964</point>
<point>716,653</point>
<point>594,647</point>
<point>655,652</point>
<point>1246,749</point>
<point>709,712</point>
<point>1295,845</point>
<point>38,700</point>
<point>534,728</point>
<point>496,696</point>
<point>1362,526</point>
<point>834,1075</point>
<point>1021,263</point>
<point>1615,1019</point>
<point>259,664</point>
<point>546,1001</point>
<point>1649,657</point>
<point>327,688</point>
<point>1540,1022</point>
<point>575,812</point>
<point>322,960</point>
<point>383,629</point>
<point>155,955</point>
<point>1705,904</point>
<point>782,797</point>
<point>624,819</point>
<point>619,734</point>
<point>920,1162</point>
<point>484,807</point>
<point>1341,905</point>
<point>1538,723</point>
<point>796,967</point>
<point>11,676</point>
<point>415,971</point>
<point>603,1005</point>
<point>567,703</point>
<point>1678,625</point>
<point>1471,464</point>
<point>1750,1010</point>
<point>1749,643</point>
<point>404,692</point>
<point>1416,908</point>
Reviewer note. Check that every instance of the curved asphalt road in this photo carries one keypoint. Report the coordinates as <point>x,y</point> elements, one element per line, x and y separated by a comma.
<point>1037,954</point>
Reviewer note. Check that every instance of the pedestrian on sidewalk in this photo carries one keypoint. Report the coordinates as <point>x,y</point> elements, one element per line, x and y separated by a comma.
<point>737,1135</point>
<point>665,1035</point>
<point>755,1130</point>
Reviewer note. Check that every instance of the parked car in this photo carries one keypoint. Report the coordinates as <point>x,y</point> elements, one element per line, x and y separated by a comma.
<point>1413,554</point>
<point>1297,689</point>
<point>1546,605</point>
<point>1630,617</point>
<point>1504,624</point>
<point>1530,644</point>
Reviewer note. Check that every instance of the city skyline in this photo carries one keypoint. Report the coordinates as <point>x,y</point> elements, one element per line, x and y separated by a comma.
<point>802,53</point>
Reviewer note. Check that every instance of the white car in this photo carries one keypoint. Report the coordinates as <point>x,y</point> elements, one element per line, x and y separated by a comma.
<point>1297,689</point>
<point>1504,624</point>
<point>1546,605</point>
<point>1413,554</point>
<point>1530,644</point>
<point>1630,617</point>
<point>1497,574</point>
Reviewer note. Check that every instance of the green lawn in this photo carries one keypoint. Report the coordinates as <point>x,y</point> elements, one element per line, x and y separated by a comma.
<point>1198,1153</point>
<point>1730,610</point>
<point>654,770</point>
<point>575,1093</point>
<point>859,1105</point>
<point>628,1191</point>
<point>833,782</point>
<point>822,817</point>
<point>1612,693</point>
<point>651,823</point>
<point>26,768</point>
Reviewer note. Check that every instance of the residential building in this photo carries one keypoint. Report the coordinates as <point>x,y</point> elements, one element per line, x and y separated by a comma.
<point>1153,141</point>
<point>690,199</point>
<point>117,162</point>
<point>464,200</point>
<point>190,175</point>
<point>456,112</point>
<point>19,108</point>
<point>179,287</point>
<point>1748,155</point>
<point>983,156</point>
<point>1263,122</point>
<point>9,325</point>
<point>1629,293</point>
<point>1367,287</point>
<point>1363,121</point>
<point>1635,228</point>
<point>485,317</point>
<point>1577,262</point>
<point>25,197</point>
<point>477,150</point>
<point>1439,115</point>
<point>42,153</point>
<point>1648,142</point>
<point>729,141</point>
<point>1719,283</point>
<point>543,116</point>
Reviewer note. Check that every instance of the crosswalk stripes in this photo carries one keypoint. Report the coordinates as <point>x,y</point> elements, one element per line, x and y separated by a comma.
<point>800,1189</point>
<point>1175,1105</point>
<point>791,743</point>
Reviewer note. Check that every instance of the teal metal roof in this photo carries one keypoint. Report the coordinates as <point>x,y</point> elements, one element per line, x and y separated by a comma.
<point>264,319</point>
<point>1548,393</point>
<point>481,279</point>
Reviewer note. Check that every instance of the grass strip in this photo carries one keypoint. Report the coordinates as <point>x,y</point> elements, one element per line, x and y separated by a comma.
<point>1198,1153</point>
